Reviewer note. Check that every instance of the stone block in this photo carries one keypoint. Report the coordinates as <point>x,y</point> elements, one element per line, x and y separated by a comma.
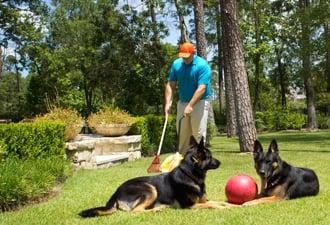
<point>134,155</point>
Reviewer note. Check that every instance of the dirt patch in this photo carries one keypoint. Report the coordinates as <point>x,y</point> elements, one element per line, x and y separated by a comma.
<point>35,200</point>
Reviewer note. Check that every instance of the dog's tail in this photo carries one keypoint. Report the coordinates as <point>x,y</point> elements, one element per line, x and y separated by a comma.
<point>108,209</point>
<point>98,211</point>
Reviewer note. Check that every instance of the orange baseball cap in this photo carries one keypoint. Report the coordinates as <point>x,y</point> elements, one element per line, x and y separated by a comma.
<point>186,49</point>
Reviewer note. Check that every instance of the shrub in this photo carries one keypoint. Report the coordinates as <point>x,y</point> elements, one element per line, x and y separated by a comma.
<point>110,121</point>
<point>212,131</point>
<point>31,179</point>
<point>323,122</point>
<point>150,127</point>
<point>110,115</point>
<point>260,121</point>
<point>171,139</point>
<point>32,140</point>
<point>69,117</point>
<point>295,120</point>
<point>279,120</point>
<point>155,127</point>
<point>32,161</point>
<point>141,127</point>
<point>3,152</point>
<point>219,117</point>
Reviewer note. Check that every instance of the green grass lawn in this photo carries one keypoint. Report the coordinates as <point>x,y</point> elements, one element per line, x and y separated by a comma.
<point>90,188</point>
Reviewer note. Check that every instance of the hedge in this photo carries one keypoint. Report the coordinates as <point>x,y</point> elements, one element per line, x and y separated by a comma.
<point>279,120</point>
<point>32,140</point>
<point>32,161</point>
<point>27,180</point>
<point>323,122</point>
<point>150,127</point>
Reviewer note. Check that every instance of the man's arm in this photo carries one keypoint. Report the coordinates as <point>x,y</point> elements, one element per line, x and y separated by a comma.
<point>196,97</point>
<point>169,91</point>
<point>203,80</point>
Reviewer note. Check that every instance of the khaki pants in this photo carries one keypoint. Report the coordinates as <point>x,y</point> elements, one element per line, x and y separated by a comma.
<point>194,125</point>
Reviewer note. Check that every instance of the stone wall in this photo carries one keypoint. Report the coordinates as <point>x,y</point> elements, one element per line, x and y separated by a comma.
<point>90,151</point>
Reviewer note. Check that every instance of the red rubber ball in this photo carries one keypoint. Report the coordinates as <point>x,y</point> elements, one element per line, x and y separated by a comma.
<point>240,189</point>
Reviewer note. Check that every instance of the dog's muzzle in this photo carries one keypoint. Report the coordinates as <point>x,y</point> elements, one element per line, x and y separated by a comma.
<point>214,164</point>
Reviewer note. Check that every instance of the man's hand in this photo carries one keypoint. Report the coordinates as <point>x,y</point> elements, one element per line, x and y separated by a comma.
<point>196,97</point>
<point>188,110</point>
<point>167,108</point>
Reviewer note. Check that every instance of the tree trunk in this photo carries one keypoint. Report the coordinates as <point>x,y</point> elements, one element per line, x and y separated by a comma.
<point>257,82</point>
<point>257,57</point>
<point>244,113</point>
<point>327,36</point>
<point>230,100</point>
<point>151,5</point>
<point>18,75</point>
<point>222,96</point>
<point>199,27</point>
<point>1,63</point>
<point>201,51</point>
<point>306,61</point>
<point>18,88</point>
<point>182,25</point>
<point>87,91</point>
<point>282,76</point>
<point>156,45</point>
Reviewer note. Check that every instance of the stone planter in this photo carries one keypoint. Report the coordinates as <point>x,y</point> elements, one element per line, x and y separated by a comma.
<point>91,151</point>
<point>111,130</point>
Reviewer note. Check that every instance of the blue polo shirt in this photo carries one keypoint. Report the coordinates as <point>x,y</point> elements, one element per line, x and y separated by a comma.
<point>190,76</point>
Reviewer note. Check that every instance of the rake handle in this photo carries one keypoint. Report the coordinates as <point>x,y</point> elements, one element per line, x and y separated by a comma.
<point>163,134</point>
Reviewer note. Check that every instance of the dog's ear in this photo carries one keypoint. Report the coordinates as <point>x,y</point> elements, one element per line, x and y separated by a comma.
<point>201,146</point>
<point>201,150</point>
<point>201,143</point>
<point>273,146</point>
<point>192,141</point>
<point>257,148</point>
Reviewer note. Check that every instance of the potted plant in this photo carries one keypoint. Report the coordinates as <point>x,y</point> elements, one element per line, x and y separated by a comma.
<point>71,118</point>
<point>110,121</point>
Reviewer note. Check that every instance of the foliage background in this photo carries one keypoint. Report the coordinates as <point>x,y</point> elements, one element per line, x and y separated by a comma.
<point>86,54</point>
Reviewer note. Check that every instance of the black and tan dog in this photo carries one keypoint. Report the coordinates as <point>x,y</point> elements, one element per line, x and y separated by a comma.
<point>183,187</point>
<point>279,180</point>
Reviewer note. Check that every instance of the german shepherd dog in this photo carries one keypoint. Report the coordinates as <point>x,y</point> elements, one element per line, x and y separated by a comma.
<point>280,180</point>
<point>183,187</point>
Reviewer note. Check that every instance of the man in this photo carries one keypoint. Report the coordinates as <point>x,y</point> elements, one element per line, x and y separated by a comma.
<point>193,75</point>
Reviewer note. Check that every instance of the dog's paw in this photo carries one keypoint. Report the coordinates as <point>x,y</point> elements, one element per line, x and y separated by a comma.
<point>158,208</point>
<point>222,204</point>
<point>228,205</point>
<point>249,203</point>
